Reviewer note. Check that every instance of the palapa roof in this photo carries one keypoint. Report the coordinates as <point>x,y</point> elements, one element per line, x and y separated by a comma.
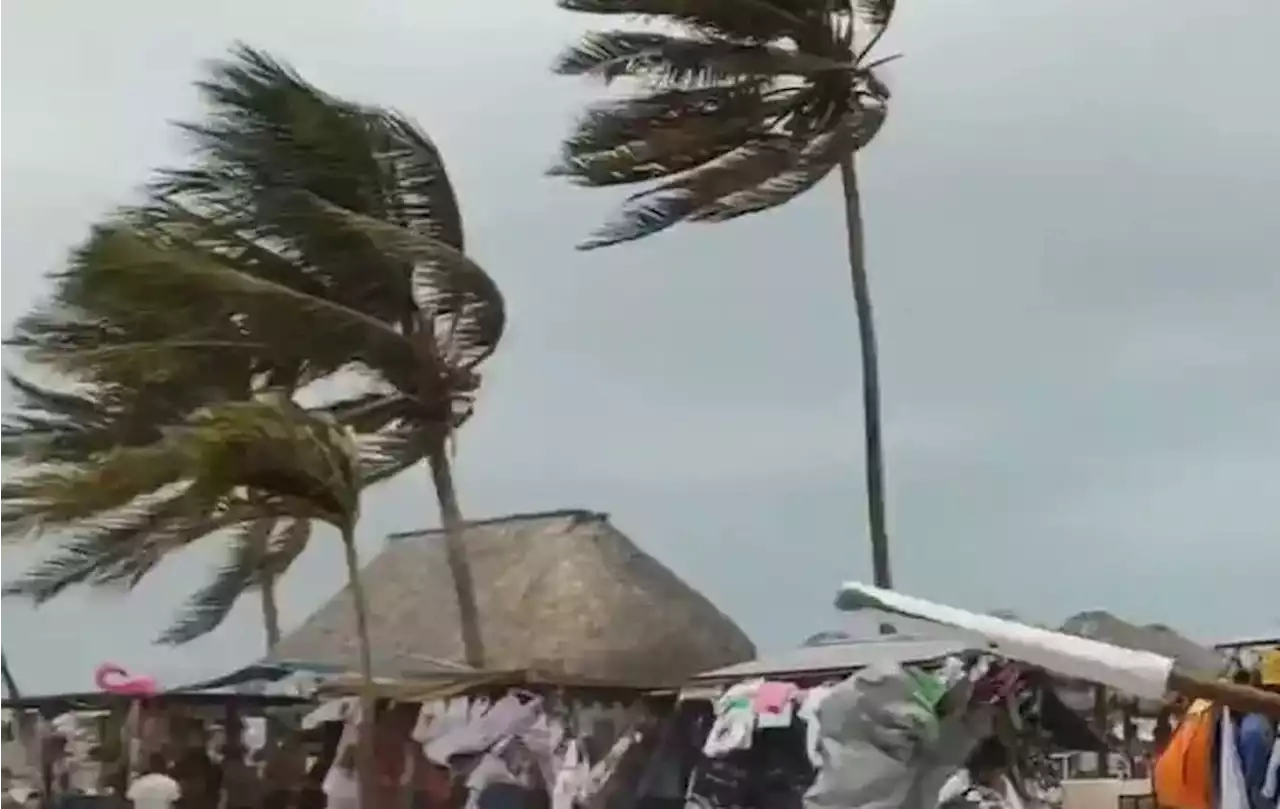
<point>1191,656</point>
<point>563,593</point>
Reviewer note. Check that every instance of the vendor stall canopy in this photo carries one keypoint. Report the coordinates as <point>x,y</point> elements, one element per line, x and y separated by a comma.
<point>561,592</point>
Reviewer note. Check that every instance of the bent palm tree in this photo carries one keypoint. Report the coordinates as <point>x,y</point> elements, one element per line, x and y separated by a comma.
<point>749,104</point>
<point>236,461</point>
<point>108,409</point>
<point>341,220</point>
<point>329,236</point>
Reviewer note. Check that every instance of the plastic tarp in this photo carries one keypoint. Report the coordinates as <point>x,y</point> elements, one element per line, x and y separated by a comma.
<point>1142,674</point>
<point>882,746</point>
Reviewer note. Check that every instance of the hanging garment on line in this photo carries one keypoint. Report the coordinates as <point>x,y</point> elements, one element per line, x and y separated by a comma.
<point>1233,793</point>
<point>571,777</point>
<point>773,704</point>
<point>1271,787</point>
<point>773,773</point>
<point>508,717</point>
<point>735,720</point>
<point>808,712</point>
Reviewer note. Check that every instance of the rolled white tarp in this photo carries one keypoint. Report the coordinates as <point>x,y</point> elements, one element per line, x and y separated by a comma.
<point>1142,674</point>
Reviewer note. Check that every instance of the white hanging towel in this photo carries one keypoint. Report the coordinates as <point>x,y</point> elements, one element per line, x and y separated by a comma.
<point>735,721</point>
<point>1232,792</point>
<point>571,778</point>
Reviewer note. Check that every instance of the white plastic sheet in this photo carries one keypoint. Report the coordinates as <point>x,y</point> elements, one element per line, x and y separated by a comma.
<point>1142,674</point>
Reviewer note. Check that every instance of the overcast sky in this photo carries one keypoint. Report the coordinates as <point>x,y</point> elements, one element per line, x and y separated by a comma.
<point>1072,226</point>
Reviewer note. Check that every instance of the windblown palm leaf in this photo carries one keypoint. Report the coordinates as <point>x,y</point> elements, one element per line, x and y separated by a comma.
<point>337,220</point>
<point>270,456</point>
<point>262,551</point>
<point>736,107</point>
<point>311,237</point>
<point>748,105</point>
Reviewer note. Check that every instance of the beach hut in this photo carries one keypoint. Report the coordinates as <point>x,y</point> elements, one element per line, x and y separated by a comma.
<point>564,595</point>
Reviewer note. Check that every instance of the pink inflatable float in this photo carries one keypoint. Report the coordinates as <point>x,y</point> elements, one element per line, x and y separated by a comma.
<point>114,679</point>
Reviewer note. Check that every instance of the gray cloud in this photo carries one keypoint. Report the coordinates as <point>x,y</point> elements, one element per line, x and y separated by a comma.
<point>1071,218</point>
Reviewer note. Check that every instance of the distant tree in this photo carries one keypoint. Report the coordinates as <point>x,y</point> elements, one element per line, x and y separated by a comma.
<point>736,107</point>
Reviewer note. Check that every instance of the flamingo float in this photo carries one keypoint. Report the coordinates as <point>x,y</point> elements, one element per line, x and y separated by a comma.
<point>114,679</point>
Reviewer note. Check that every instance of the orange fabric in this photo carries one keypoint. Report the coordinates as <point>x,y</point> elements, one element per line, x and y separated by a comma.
<point>1183,774</point>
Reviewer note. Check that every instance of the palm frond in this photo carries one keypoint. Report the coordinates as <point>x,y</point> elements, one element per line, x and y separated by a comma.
<point>390,452</point>
<point>659,208</point>
<point>51,425</point>
<point>211,604</point>
<point>279,450</point>
<point>669,133</point>
<point>416,181</point>
<point>875,14</point>
<point>672,61</point>
<point>186,275</point>
<point>124,545</point>
<point>450,290</point>
<point>748,20</point>
<point>816,160</point>
<point>263,546</point>
<point>270,141</point>
<point>743,106</point>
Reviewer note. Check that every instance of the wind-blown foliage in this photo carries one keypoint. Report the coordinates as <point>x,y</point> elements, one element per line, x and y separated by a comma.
<point>309,238</point>
<point>745,106</point>
<point>735,107</point>
<point>267,458</point>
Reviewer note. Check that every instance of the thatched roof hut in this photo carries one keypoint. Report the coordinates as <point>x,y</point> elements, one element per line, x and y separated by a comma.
<point>1158,638</point>
<point>563,593</point>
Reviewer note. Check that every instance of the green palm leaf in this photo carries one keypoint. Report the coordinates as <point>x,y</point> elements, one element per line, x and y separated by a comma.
<point>740,109</point>
<point>263,546</point>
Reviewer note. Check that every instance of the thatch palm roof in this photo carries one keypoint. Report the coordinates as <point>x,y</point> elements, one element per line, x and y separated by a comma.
<point>563,592</point>
<point>1158,638</point>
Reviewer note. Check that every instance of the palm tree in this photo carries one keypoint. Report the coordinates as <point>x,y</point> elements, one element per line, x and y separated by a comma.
<point>10,684</point>
<point>250,460</point>
<point>61,426</point>
<point>737,107</point>
<point>330,237</point>
<point>341,221</point>
<point>108,408</point>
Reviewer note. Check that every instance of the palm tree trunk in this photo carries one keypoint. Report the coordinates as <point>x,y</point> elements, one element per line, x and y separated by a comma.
<point>870,374</point>
<point>366,763</point>
<point>10,684</point>
<point>456,557</point>
<point>270,611</point>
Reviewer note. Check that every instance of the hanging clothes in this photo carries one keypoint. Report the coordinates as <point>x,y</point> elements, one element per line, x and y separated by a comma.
<point>1254,741</point>
<point>808,712</point>
<point>882,748</point>
<point>507,717</point>
<point>1233,792</point>
<point>572,776</point>
<point>735,720</point>
<point>772,773</point>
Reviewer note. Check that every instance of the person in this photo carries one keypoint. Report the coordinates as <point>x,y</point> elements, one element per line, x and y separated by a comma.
<point>284,772</point>
<point>154,789</point>
<point>983,783</point>
<point>341,787</point>
<point>1255,738</point>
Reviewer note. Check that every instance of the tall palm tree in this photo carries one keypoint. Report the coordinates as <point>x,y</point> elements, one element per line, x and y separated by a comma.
<point>736,107</point>
<point>344,218</point>
<point>10,684</point>
<point>330,237</point>
<point>249,460</point>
